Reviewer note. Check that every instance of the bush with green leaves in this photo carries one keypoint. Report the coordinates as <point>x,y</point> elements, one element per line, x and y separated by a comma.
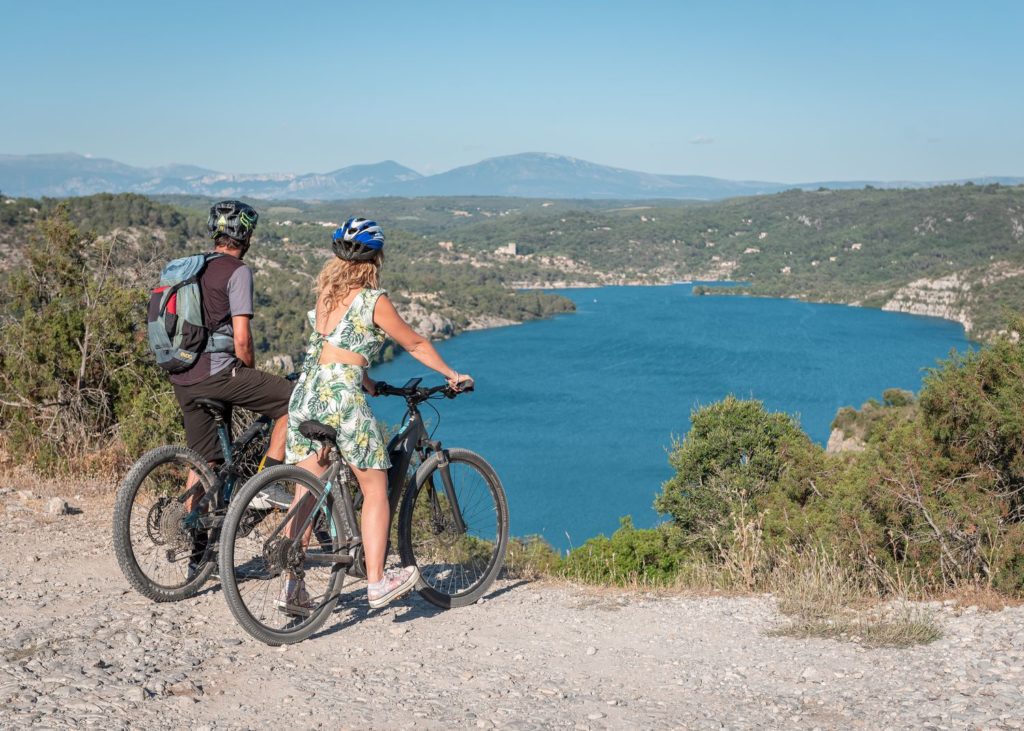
<point>933,501</point>
<point>631,556</point>
<point>76,387</point>
<point>735,456</point>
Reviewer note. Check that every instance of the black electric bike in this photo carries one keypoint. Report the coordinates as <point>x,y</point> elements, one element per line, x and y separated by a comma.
<point>452,524</point>
<point>170,506</point>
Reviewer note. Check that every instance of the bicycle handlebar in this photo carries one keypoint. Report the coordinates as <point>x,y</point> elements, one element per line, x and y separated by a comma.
<point>412,391</point>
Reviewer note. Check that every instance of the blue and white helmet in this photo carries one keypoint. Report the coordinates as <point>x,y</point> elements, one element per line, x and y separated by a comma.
<point>359,239</point>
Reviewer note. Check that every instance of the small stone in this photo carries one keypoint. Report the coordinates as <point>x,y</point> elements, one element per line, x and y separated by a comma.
<point>57,506</point>
<point>185,688</point>
<point>591,650</point>
<point>809,673</point>
<point>595,716</point>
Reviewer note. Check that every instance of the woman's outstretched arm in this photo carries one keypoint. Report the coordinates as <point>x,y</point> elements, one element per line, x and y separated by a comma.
<point>386,317</point>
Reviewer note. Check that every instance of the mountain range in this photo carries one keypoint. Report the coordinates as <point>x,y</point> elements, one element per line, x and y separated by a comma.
<point>530,175</point>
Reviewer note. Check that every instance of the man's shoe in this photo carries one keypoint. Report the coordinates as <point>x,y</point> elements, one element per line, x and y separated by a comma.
<point>196,560</point>
<point>272,496</point>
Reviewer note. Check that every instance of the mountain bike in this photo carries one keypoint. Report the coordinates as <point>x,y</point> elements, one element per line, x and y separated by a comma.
<point>452,524</point>
<point>166,524</point>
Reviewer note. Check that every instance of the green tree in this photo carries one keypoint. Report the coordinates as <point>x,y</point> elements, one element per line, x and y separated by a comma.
<point>74,373</point>
<point>735,452</point>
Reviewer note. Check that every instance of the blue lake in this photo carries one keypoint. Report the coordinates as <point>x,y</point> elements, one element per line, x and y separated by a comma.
<point>577,413</point>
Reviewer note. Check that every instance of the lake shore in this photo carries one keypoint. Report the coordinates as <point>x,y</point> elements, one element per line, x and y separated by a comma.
<point>729,284</point>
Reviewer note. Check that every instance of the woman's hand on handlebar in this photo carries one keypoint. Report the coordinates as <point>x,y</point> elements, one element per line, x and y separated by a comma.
<point>459,381</point>
<point>370,386</point>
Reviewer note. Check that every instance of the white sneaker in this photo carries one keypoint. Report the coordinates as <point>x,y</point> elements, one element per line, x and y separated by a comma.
<point>294,599</point>
<point>272,496</point>
<point>396,583</point>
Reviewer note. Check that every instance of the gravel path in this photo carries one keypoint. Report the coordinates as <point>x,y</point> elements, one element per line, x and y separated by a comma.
<point>80,650</point>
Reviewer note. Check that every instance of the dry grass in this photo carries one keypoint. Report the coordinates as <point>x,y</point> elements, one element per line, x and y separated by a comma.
<point>983,597</point>
<point>824,598</point>
<point>25,478</point>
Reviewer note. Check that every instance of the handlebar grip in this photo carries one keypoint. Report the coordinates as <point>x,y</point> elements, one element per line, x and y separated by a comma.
<point>452,393</point>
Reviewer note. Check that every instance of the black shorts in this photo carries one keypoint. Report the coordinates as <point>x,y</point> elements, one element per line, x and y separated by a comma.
<point>249,388</point>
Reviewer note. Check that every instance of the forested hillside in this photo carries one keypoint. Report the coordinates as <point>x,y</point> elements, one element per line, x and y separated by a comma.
<point>286,258</point>
<point>78,389</point>
<point>954,251</point>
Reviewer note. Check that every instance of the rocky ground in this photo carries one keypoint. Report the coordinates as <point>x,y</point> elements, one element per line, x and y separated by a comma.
<point>81,650</point>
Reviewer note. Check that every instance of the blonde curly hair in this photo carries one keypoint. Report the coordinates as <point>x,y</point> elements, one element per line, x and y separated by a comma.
<point>339,277</point>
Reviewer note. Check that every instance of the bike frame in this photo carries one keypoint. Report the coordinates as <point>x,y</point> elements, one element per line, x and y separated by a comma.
<point>226,475</point>
<point>411,439</point>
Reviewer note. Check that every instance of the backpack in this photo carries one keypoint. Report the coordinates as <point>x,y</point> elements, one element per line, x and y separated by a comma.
<point>177,333</point>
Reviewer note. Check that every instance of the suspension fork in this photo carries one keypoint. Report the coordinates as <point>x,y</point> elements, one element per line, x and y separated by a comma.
<point>444,467</point>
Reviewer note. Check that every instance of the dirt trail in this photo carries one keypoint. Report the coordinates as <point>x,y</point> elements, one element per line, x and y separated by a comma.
<point>80,650</point>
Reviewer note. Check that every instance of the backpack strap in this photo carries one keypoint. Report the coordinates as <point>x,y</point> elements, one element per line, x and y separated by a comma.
<point>218,341</point>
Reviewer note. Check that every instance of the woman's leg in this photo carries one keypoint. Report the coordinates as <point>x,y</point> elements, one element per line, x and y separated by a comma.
<point>375,521</point>
<point>316,464</point>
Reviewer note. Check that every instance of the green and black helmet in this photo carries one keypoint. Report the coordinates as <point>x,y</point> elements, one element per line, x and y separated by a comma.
<point>232,218</point>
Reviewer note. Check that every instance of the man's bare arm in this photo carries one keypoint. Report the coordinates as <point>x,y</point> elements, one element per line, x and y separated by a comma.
<point>243,340</point>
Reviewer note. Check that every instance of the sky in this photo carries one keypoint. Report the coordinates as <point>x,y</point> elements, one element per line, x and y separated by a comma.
<point>779,91</point>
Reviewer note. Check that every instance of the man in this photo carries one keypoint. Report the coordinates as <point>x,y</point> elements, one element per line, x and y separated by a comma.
<point>228,373</point>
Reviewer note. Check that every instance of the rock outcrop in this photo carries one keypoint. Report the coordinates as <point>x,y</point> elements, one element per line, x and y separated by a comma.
<point>429,324</point>
<point>839,442</point>
<point>945,297</point>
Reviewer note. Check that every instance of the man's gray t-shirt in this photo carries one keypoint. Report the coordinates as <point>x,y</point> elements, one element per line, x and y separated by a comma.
<point>227,292</point>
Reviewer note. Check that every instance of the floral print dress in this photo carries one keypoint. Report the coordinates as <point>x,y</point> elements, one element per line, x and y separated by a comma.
<point>332,393</point>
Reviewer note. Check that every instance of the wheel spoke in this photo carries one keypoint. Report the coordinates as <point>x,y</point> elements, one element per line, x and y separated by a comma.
<point>269,546</point>
<point>457,565</point>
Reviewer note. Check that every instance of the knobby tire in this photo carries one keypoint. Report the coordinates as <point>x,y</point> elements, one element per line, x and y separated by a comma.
<point>143,474</point>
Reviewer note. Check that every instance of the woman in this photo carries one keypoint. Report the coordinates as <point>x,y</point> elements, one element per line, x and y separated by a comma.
<point>352,317</point>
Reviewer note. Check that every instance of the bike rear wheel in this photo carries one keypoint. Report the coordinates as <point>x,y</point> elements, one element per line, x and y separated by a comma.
<point>153,542</point>
<point>456,566</point>
<point>258,550</point>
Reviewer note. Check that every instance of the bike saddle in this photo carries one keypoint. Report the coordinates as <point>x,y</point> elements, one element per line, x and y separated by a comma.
<point>318,432</point>
<point>214,407</point>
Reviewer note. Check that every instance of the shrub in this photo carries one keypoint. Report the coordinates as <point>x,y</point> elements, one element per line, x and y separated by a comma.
<point>631,556</point>
<point>973,406</point>
<point>531,558</point>
<point>73,357</point>
<point>735,455</point>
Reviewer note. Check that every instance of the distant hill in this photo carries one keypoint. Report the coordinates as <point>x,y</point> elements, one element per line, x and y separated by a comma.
<point>526,175</point>
<point>543,175</point>
<point>70,174</point>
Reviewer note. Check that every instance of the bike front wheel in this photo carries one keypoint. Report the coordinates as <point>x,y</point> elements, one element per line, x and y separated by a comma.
<point>299,536</point>
<point>160,544</point>
<point>453,526</point>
